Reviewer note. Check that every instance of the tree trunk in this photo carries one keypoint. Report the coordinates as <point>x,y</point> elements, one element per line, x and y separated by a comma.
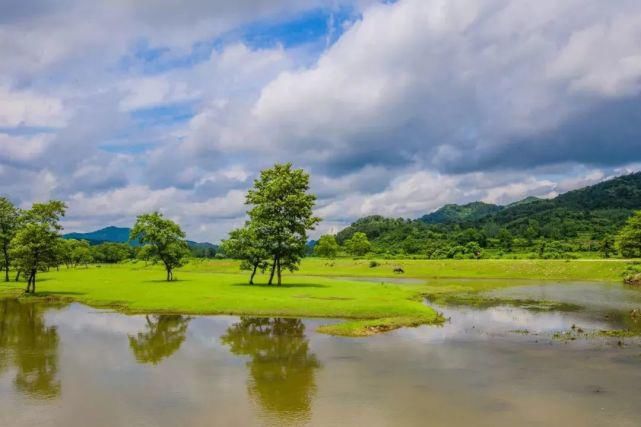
<point>279,275</point>
<point>271,275</point>
<point>6,263</point>
<point>17,276</point>
<point>251,278</point>
<point>31,282</point>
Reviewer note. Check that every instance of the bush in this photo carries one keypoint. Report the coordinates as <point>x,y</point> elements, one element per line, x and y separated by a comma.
<point>373,264</point>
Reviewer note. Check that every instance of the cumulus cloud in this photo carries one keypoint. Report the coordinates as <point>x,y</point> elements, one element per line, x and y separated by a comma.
<point>411,105</point>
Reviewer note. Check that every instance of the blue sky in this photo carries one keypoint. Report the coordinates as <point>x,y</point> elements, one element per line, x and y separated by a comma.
<point>395,108</point>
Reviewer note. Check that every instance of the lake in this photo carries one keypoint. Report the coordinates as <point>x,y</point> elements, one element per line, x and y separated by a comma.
<point>72,365</point>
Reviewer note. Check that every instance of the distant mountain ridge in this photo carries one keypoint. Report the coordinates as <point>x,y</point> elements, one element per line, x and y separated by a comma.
<point>113,234</point>
<point>107,234</point>
<point>596,211</point>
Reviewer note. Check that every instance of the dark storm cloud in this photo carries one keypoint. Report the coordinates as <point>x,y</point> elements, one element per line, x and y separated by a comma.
<point>608,134</point>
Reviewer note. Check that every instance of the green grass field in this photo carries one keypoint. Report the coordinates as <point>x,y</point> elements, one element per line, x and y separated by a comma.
<point>322,288</point>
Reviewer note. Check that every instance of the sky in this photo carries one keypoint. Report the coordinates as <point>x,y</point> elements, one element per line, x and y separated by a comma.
<point>394,107</point>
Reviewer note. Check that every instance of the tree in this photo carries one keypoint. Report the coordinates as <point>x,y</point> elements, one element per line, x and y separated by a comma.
<point>35,246</point>
<point>629,239</point>
<point>111,252</point>
<point>505,237</point>
<point>281,214</point>
<point>326,246</point>
<point>78,252</point>
<point>243,244</point>
<point>358,245</point>
<point>606,246</point>
<point>9,216</point>
<point>162,240</point>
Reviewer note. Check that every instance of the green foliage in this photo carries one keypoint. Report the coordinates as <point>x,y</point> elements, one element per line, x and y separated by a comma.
<point>460,213</point>
<point>36,247</point>
<point>162,240</point>
<point>358,244</point>
<point>326,246</point>
<point>74,252</point>
<point>629,239</point>
<point>9,221</point>
<point>581,221</point>
<point>242,244</point>
<point>607,246</point>
<point>281,214</point>
<point>111,253</point>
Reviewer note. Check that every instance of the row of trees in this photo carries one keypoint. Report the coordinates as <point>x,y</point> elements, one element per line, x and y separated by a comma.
<point>398,237</point>
<point>471,244</point>
<point>31,242</point>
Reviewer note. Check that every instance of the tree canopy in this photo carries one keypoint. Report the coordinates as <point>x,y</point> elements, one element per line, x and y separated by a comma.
<point>629,238</point>
<point>35,247</point>
<point>163,241</point>
<point>358,244</point>
<point>326,246</point>
<point>243,244</point>
<point>281,214</point>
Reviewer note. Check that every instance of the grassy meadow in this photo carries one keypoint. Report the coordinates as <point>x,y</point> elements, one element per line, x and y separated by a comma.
<point>322,288</point>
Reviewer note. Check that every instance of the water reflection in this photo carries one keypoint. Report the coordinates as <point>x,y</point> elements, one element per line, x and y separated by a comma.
<point>30,346</point>
<point>163,336</point>
<point>282,369</point>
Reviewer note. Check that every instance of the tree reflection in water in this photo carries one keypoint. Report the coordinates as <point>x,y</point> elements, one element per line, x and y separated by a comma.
<point>30,346</point>
<point>163,337</point>
<point>282,369</point>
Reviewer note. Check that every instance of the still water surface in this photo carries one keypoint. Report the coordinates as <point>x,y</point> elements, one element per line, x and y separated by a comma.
<point>77,366</point>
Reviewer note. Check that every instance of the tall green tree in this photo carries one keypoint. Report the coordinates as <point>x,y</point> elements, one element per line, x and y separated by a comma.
<point>281,213</point>
<point>35,246</point>
<point>242,244</point>
<point>326,246</point>
<point>163,241</point>
<point>358,244</point>
<point>629,239</point>
<point>9,216</point>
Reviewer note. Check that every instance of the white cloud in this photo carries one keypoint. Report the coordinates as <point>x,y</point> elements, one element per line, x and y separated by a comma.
<point>417,104</point>
<point>26,108</point>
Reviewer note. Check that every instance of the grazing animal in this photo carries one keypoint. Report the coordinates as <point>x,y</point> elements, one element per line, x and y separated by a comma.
<point>399,270</point>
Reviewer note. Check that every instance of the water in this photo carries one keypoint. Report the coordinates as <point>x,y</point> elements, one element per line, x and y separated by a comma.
<point>77,366</point>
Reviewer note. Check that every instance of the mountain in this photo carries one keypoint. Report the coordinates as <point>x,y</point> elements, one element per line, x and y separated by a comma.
<point>121,235</point>
<point>460,213</point>
<point>579,219</point>
<point>605,205</point>
<point>107,234</point>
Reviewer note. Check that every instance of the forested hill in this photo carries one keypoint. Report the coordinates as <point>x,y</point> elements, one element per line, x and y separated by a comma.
<point>460,213</point>
<point>580,218</point>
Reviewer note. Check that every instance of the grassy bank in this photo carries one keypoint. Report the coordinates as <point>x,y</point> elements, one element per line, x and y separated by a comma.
<point>321,289</point>
<point>139,289</point>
